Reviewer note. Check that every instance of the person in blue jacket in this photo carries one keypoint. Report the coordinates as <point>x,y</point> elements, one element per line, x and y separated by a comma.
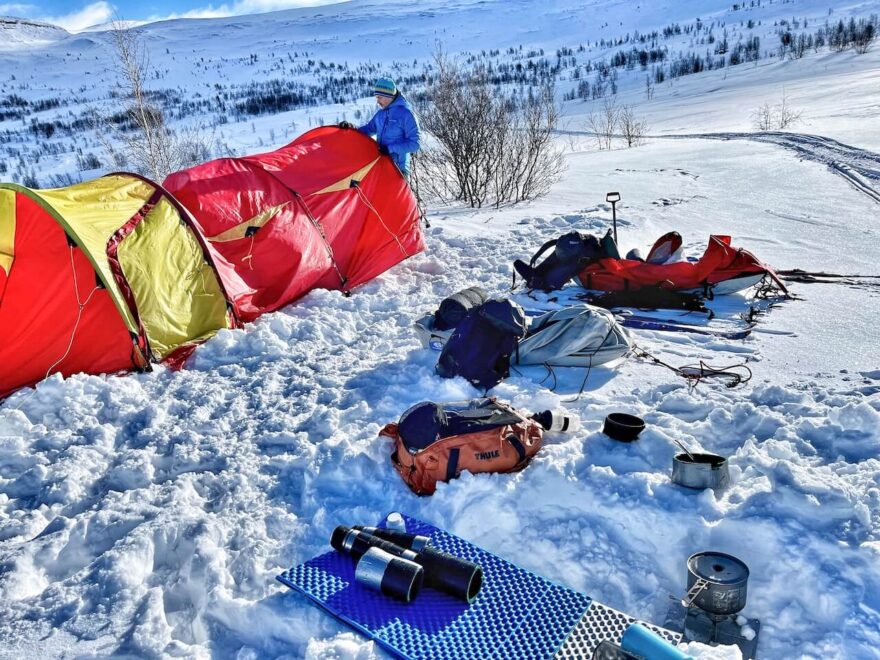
<point>394,125</point>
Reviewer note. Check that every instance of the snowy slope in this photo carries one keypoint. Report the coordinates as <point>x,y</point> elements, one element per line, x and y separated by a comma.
<point>203,59</point>
<point>146,516</point>
<point>18,33</point>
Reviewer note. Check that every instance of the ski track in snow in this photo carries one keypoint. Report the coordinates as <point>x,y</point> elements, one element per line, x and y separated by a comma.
<point>860,167</point>
<point>147,515</point>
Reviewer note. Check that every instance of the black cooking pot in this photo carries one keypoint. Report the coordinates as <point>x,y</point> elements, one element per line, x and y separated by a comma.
<point>623,427</point>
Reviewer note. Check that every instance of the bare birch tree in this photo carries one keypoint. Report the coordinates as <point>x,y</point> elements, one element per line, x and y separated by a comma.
<point>788,116</point>
<point>632,128</point>
<point>138,135</point>
<point>763,117</point>
<point>604,121</point>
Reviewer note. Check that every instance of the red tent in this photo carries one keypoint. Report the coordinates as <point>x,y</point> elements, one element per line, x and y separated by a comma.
<point>327,210</point>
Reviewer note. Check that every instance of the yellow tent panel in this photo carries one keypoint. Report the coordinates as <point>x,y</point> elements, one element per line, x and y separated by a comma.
<point>178,296</point>
<point>7,229</point>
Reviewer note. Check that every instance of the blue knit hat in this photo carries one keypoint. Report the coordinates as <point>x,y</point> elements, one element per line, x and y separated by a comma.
<point>385,87</point>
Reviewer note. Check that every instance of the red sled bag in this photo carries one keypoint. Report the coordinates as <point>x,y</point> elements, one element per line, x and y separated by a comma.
<point>436,442</point>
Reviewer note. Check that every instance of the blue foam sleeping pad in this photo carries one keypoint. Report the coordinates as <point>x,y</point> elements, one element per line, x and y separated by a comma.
<point>516,615</point>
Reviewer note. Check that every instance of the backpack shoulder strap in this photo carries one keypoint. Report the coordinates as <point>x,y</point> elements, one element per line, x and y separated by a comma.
<point>549,244</point>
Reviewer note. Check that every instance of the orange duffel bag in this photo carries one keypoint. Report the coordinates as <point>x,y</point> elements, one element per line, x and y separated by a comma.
<point>436,442</point>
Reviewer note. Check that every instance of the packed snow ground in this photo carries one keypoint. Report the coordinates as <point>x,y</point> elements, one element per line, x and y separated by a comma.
<point>147,515</point>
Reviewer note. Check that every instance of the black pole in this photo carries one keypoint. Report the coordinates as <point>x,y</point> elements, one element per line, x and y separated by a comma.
<point>614,220</point>
<point>613,198</point>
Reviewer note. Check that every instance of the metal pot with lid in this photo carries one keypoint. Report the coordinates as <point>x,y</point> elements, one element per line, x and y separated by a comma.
<point>700,471</point>
<point>717,583</point>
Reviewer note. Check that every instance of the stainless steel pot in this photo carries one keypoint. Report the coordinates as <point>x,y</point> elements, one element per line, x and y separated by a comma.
<point>700,471</point>
<point>717,583</point>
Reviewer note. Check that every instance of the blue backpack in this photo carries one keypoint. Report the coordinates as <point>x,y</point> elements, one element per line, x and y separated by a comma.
<point>572,252</point>
<point>479,349</point>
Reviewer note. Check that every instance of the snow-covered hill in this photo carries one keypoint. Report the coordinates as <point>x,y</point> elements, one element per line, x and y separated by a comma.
<point>147,515</point>
<point>228,74</point>
<point>18,33</point>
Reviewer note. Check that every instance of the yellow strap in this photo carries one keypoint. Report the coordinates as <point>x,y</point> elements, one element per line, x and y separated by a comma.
<point>240,230</point>
<point>7,229</point>
<point>345,184</point>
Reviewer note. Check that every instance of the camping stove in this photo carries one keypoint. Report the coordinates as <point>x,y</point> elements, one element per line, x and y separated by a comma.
<point>709,613</point>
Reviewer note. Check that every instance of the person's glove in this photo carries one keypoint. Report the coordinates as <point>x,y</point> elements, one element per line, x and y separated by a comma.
<point>384,150</point>
<point>345,124</point>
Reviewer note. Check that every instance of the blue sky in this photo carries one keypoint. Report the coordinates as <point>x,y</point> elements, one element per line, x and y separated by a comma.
<point>79,14</point>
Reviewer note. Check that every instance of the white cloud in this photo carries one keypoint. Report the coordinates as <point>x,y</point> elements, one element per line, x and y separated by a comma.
<point>17,9</point>
<point>93,14</point>
<point>243,7</point>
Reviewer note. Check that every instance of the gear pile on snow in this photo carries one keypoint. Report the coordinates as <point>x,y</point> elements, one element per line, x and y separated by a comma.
<point>598,266</point>
<point>721,269</point>
<point>480,339</point>
<point>577,336</point>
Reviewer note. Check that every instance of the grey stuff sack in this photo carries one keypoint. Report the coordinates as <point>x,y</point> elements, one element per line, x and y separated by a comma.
<point>578,336</point>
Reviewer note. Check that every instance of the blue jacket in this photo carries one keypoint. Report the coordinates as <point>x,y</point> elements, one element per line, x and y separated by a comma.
<point>396,128</point>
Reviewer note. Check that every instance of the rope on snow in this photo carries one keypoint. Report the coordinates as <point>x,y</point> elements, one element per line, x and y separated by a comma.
<point>735,374</point>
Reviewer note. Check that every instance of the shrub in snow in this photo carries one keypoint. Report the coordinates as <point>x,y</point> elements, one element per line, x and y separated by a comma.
<point>488,148</point>
<point>632,128</point>
<point>776,117</point>
<point>604,121</point>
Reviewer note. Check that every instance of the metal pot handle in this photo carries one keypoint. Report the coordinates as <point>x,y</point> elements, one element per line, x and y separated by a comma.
<point>695,590</point>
